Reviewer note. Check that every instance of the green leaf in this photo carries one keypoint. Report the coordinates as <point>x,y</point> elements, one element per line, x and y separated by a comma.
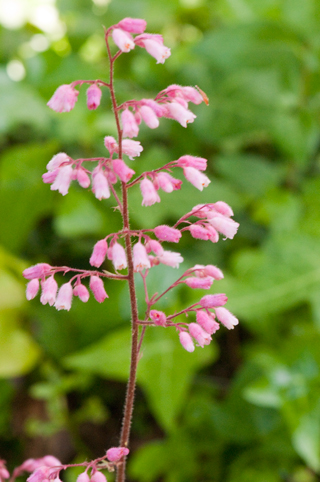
<point>306,438</point>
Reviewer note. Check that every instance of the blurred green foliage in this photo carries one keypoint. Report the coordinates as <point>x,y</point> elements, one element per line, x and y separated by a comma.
<point>247,407</point>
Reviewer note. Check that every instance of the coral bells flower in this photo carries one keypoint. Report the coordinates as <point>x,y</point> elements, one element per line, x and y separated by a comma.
<point>197,178</point>
<point>116,453</point>
<point>49,291</point>
<point>179,113</point>
<point>64,298</point>
<point>166,182</point>
<point>119,258</point>
<point>32,289</point>
<point>98,477</point>
<point>158,317</point>
<point>191,161</point>
<point>111,144</point>
<point>149,193</point>
<point>155,246</point>
<point>93,96</point>
<point>204,283</point>
<point>82,178</point>
<point>153,43</point>
<point>82,292</point>
<point>223,224</point>
<point>165,233</point>
<point>202,337</point>
<point>123,40</point>
<point>97,288</point>
<point>57,160</point>
<point>149,117</point>
<point>83,477</point>
<point>209,270</point>
<point>99,253</point>
<point>213,301</point>
<point>186,341</point>
<point>207,322</point>
<point>170,258</point>
<point>199,232</point>
<point>122,170</point>
<point>129,124</point>
<point>37,271</point>
<point>226,318</point>
<point>140,257</point>
<point>64,98</point>
<point>100,186</point>
<point>131,148</point>
<point>63,180</point>
<point>133,25</point>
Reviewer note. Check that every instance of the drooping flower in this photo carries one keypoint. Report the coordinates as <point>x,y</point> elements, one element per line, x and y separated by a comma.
<point>82,292</point>
<point>119,258</point>
<point>204,283</point>
<point>93,96</point>
<point>149,117</point>
<point>111,144</point>
<point>82,177</point>
<point>57,160</point>
<point>100,186</point>
<point>226,318</point>
<point>140,257</point>
<point>166,182</point>
<point>202,337</point>
<point>32,289</point>
<point>153,43</point>
<point>179,113</point>
<point>64,297</point>
<point>223,224</point>
<point>207,322</point>
<point>129,125</point>
<point>155,246</point>
<point>49,291</point>
<point>165,233</point>
<point>192,161</point>
<point>122,170</point>
<point>202,271</point>
<point>97,288</point>
<point>64,98</point>
<point>149,193</point>
<point>213,301</point>
<point>99,253</point>
<point>133,25</point>
<point>63,180</point>
<point>199,232</point>
<point>98,476</point>
<point>123,40</point>
<point>186,341</point>
<point>197,178</point>
<point>83,477</point>
<point>37,271</point>
<point>131,148</point>
<point>170,258</point>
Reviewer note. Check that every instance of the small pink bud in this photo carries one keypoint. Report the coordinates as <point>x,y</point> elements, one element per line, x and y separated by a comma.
<point>165,233</point>
<point>129,124</point>
<point>191,94</point>
<point>208,270</point>
<point>83,477</point>
<point>149,193</point>
<point>82,292</point>
<point>64,98</point>
<point>111,144</point>
<point>223,208</point>
<point>214,235</point>
<point>99,253</point>
<point>213,301</point>
<point>204,283</point>
<point>57,160</point>
<point>155,246</point>
<point>93,96</point>
<point>133,25</point>
<point>199,232</point>
<point>116,453</point>
<point>32,289</point>
<point>123,40</point>
<point>186,341</point>
<point>158,317</point>
<point>98,477</point>
<point>131,148</point>
<point>50,176</point>
<point>82,178</point>
<point>153,44</point>
<point>37,271</point>
<point>226,318</point>
<point>207,322</point>
<point>170,258</point>
<point>179,113</point>
<point>149,117</point>
<point>122,170</point>
<point>97,288</point>
<point>197,178</point>
<point>140,257</point>
<point>100,186</point>
<point>119,258</point>
<point>63,180</point>
<point>64,297</point>
<point>191,161</point>
<point>49,291</point>
<point>202,337</point>
<point>166,182</point>
<point>224,225</point>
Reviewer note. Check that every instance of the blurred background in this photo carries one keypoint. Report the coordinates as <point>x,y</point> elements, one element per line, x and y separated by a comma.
<point>247,407</point>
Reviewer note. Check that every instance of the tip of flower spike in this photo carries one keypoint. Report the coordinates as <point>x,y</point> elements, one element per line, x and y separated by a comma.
<point>203,95</point>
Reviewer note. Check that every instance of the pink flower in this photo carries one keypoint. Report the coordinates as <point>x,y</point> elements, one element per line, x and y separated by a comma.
<point>64,298</point>
<point>191,94</point>
<point>140,257</point>
<point>57,160</point>
<point>82,292</point>
<point>64,98</point>
<point>224,225</point>
<point>213,301</point>
<point>111,144</point>
<point>149,117</point>
<point>37,271</point>
<point>199,232</point>
<point>42,474</point>
<point>214,236</point>
<point>116,453</point>
<point>122,170</point>
<point>98,477</point>
<point>170,258</point>
<point>119,258</point>
<point>165,233</point>
<point>208,270</point>
<point>99,253</point>
<point>63,180</point>
<point>100,186</point>
<point>133,25</point>
<point>223,208</point>
<point>166,182</point>
<point>123,40</point>
<point>32,289</point>
<point>49,291</point>
<point>50,176</point>
<point>197,178</point>
<point>93,96</point>
<point>149,193</point>
<point>82,178</point>
<point>186,341</point>
<point>226,318</point>
<point>129,125</point>
<point>83,477</point>
<point>131,148</point>
<point>97,288</point>
<point>204,283</point>
<point>207,322</point>
<point>158,317</point>
<point>180,113</point>
<point>192,161</point>
<point>202,337</point>
<point>155,246</point>
<point>153,43</point>
<point>158,109</point>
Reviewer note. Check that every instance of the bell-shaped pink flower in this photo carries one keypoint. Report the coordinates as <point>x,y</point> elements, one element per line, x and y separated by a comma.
<point>213,301</point>
<point>199,232</point>
<point>119,258</point>
<point>93,96</point>
<point>98,477</point>
<point>213,233</point>
<point>155,246</point>
<point>37,271</point>
<point>116,453</point>
<point>226,318</point>
<point>63,180</point>
<point>202,271</point>
<point>64,297</point>
<point>170,258</point>
<point>165,233</point>
<point>190,94</point>
<point>166,182</point>
<point>149,117</point>
<point>50,176</point>
<point>153,44</point>
<point>223,224</point>
<point>49,291</point>
<point>97,288</point>
<point>202,337</point>
<point>222,208</point>
<point>82,292</point>
<point>64,98</point>
<point>158,317</point>
<point>204,283</point>
<point>100,186</point>
<point>207,322</point>
<point>111,144</point>
<point>149,193</point>
<point>99,253</point>
<point>121,169</point>
<point>197,178</point>
<point>129,125</point>
<point>82,178</point>
<point>123,40</point>
<point>158,109</point>
<point>140,257</point>
<point>83,477</point>
<point>32,289</point>
<point>133,25</point>
<point>131,148</point>
<point>179,113</point>
<point>186,341</point>
<point>191,161</point>
<point>57,160</point>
